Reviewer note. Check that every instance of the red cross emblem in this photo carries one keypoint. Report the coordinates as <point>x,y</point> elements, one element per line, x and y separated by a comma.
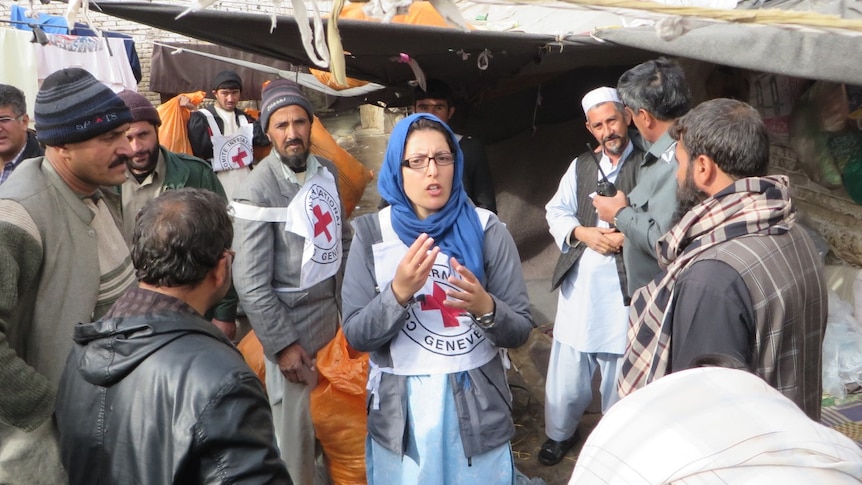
<point>322,223</point>
<point>435,302</point>
<point>239,158</point>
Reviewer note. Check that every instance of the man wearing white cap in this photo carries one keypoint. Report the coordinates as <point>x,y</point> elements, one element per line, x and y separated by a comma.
<point>592,312</point>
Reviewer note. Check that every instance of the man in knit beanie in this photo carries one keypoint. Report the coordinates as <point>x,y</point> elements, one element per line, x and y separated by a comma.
<point>153,169</point>
<point>224,135</point>
<point>288,205</point>
<point>62,259</point>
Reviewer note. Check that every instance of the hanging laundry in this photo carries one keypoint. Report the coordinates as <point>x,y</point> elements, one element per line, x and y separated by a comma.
<point>105,58</point>
<point>55,24</point>
<point>19,64</point>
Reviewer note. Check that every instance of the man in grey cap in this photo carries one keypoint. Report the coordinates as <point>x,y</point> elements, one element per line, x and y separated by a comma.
<point>291,244</point>
<point>62,259</point>
<point>224,135</point>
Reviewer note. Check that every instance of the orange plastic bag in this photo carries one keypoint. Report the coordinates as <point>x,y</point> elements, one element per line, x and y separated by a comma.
<point>174,132</point>
<point>252,352</point>
<point>338,410</point>
<point>328,79</point>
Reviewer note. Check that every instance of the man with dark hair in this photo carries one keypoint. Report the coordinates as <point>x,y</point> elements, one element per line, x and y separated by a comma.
<point>17,143</point>
<point>62,257</point>
<point>655,93</point>
<point>152,170</point>
<point>291,247</point>
<point>590,324</point>
<point>224,135</point>
<point>439,101</point>
<point>741,278</point>
<point>153,393</point>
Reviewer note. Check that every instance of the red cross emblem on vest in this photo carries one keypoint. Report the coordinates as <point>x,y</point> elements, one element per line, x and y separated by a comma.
<point>434,301</point>
<point>321,224</point>
<point>240,157</point>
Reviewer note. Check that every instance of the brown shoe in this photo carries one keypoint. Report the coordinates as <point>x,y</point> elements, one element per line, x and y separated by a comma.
<point>552,451</point>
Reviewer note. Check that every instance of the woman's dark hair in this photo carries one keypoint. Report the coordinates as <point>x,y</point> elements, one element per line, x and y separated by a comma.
<point>180,236</point>
<point>426,124</point>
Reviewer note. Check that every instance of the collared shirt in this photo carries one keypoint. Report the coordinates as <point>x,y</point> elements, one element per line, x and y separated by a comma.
<point>9,166</point>
<point>136,195</point>
<point>312,167</point>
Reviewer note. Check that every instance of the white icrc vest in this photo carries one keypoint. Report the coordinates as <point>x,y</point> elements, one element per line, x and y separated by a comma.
<point>435,339</point>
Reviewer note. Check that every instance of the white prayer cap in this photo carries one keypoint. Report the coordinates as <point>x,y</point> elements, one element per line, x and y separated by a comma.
<point>599,96</point>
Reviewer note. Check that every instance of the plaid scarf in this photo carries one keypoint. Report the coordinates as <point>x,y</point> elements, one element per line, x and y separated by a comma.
<point>754,206</point>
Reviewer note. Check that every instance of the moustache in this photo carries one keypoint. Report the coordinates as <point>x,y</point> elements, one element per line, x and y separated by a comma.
<point>121,160</point>
<point>293,141</point>
<point>611,138</point>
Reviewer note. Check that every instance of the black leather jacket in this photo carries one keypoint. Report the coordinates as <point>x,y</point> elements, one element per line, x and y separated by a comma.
<point>163,398</point>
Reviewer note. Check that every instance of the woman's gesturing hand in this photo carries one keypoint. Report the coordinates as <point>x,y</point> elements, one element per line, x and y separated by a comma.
<point>414,268</point>
<point>472,298</point>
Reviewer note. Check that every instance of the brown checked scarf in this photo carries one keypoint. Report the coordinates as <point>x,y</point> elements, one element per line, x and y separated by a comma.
<point>753,206</point>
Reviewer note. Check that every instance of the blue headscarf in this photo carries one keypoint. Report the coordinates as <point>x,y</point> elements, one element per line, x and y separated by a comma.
<point>456,228</point>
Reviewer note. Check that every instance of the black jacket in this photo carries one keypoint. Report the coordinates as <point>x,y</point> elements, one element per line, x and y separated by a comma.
<point>163,398</point>
<point>200,136</point>
<point>477,179</point>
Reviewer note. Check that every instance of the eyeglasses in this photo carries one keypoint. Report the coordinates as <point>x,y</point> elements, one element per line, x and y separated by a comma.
<point>8,119</point>
<point>420,162</point>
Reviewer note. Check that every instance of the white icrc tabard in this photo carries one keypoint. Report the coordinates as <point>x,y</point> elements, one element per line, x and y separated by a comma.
<point>315,215</point>
<point>234,151</point>
<point>435,339</point>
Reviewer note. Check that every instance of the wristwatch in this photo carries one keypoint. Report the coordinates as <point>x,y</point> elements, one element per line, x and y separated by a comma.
<point>485,321</point>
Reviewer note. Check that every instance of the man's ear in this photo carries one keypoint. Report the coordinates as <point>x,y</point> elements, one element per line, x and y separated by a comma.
<point>221,271</point>
<point>703,171</point>
<point>451,112</point>
<point>648,119</point>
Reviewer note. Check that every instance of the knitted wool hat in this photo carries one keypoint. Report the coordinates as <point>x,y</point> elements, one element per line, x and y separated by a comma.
<point>72,106</point>
<point>278,94</point>
<point>229,79</point>
<point>142,109</point>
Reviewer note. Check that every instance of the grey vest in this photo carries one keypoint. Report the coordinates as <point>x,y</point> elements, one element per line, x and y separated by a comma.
<point>588,173</point>
<point>784,277</point>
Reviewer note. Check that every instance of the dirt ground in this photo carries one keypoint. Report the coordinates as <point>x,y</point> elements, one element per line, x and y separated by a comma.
<point>527,376</point>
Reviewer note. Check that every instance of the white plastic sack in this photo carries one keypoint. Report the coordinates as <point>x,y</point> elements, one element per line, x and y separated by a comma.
<point>842,348</point>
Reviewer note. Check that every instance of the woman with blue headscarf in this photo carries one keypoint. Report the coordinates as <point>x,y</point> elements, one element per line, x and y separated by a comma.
<point>433,289</point>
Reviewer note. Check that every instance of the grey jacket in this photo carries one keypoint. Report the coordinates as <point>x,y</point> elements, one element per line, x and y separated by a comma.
<point>268,257</point>
<point>651,206</point>
<point>373,318</point>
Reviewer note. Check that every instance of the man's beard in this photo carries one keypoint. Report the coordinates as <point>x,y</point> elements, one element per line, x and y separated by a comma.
<point>687,196</point>
<point>148,166</point>
<point>620,147</point>
<point>296,162</point>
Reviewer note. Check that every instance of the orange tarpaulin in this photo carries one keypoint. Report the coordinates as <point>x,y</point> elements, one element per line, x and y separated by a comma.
<point>419,13</point>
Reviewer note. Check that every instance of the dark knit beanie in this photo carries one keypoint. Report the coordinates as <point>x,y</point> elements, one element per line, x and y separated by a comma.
<point>142,109</point>
<point>72,106</point>
<point>278,94</point>
<point>227,80</point>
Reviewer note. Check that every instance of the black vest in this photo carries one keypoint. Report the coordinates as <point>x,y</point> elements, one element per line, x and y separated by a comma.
<point>588,175</point>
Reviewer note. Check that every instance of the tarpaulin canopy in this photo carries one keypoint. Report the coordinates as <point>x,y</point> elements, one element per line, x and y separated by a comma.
<point>374,50</point>
<point>806,54</point>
